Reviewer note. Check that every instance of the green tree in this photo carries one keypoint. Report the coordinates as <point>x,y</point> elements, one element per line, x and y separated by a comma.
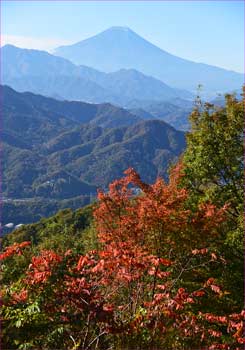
<point>214,169</point>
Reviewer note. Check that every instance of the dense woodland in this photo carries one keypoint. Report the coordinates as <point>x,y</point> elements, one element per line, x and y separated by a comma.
<point>160,269</point>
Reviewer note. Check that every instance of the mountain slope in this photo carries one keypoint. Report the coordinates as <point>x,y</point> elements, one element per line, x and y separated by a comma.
<point>56,152</point>
<point>36,118</point>
<point>120,47</point>
<point>40,72</point>
<point>148,146</point>
<point>30,122</point>
<point>130,84</point>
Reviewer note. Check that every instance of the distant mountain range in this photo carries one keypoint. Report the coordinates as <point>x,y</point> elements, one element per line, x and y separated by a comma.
<point>120,47</point>
<point>60,150</point>
<point>142,83</point>
<point>43,73</point>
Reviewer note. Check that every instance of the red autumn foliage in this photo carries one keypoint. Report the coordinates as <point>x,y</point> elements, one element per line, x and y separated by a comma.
<point>132,283</point>
<point>16,248</point>
<point>157,218</point>
<point>41,266</point>
<point>19,297</point>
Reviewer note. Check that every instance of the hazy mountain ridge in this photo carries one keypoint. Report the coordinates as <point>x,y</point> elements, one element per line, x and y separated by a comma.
<point>46,74</point>
<point>42,73</point>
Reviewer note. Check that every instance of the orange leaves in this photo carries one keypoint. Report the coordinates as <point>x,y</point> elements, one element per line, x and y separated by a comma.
<point>205,251</point>
<point>76,288</point>
<point>156,263</point>
<point>213,256</point>
<point>159,261</point>
<point>99,267</point>
<point>177,173</point>
<point>209,209</point>
<point>122,217</point>
<point>108,307</point>
<point>165,262</point>
<point>202,251</point>
<point>158,218</point>
<point>198,293</point>
<point>16,248</point>
<point>152,271</point>
<point>214,333</point>
<point>139,232</point>
<point>20,297</point>
<point>160,274</point>
<point>210,283</point>
<point>219,347</point>
<point>214,319</point>
<point>215,288</point>
<point>234,325</point>
<point>41,266</point>
<point>45,260</point>
<point>81,262</point>
<point>241,340</point>
<point>85,261</point>
<point>210,216</point>
<point>161,287</point>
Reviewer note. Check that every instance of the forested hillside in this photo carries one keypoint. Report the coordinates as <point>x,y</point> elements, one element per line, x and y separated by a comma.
<point>59,150</point>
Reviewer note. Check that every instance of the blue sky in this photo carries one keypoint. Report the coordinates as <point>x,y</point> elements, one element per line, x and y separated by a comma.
<point>203,31</point>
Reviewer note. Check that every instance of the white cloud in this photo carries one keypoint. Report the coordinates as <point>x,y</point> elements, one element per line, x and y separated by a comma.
<point>46,44</point>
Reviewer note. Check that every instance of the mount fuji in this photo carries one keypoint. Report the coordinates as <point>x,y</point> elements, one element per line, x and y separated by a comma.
<point>121,48</point>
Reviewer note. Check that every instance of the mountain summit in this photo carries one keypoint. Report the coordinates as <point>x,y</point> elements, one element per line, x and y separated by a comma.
<point>120,47</point>
<point>119,43</point>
